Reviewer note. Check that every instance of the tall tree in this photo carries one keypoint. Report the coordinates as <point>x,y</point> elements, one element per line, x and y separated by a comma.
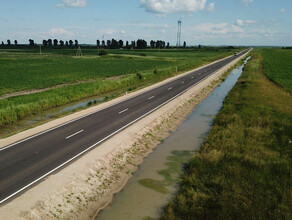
<point>71,43</point>
<point>45,43</point>
<point>31,42</point>
<point>98,43</point>
<point>108,43</point>
<point>61,43</point>
<point>114,44</point>
<point>67,43</point>
<point>15,42</point>
<point>55,42</point>
<point>121,44</point>
<point>127,44</point>
<point>185,44</point>
<point>50,42</point>
<point>8,42</point>
<point>76,43</point>
<point>141,44</point>
<point>103,44</point>
<point>2,43</point>
<point>167,46</point>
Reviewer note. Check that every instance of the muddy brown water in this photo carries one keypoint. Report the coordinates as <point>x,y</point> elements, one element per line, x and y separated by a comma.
<point>154,183</point>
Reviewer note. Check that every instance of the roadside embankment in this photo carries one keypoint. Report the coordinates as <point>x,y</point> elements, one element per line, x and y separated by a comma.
<point>243,171</point>
<point>87,185</point>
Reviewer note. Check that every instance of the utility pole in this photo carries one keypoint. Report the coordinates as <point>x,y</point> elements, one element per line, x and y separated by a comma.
<point>178,33</point>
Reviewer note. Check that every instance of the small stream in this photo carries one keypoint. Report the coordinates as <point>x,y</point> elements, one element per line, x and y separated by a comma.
<point>153,184</point>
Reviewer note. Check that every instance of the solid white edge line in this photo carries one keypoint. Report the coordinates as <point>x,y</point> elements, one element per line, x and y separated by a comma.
<point>68,122</point>
<point>72,135</point>
<point>92,146</point>
<point>123,111</point>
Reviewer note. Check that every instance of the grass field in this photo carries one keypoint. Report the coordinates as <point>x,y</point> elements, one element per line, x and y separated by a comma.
<point>243,170</point>
<point>26,70</point>
<point>278,66</point>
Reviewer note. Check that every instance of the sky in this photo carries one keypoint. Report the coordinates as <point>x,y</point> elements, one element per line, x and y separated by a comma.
<point>205,22</point>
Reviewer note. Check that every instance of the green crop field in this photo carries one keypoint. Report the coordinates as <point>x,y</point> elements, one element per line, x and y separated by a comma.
<point>121,70</point>
<point>278,66</point>
<point>243,170</point>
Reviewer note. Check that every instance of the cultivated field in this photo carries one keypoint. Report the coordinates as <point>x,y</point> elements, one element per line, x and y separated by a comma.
<point>243,170</point>
<point>121,70</point>
<point>278,66</point>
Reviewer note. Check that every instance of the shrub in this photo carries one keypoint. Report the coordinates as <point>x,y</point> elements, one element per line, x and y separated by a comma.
<point>143,54</point>
<point>139,75</point>
<point>102,53</point>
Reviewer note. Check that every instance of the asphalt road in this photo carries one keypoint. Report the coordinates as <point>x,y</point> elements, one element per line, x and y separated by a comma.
<point>26,162</point>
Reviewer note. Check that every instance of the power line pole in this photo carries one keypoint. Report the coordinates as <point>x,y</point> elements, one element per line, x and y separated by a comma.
<point>178,33</point>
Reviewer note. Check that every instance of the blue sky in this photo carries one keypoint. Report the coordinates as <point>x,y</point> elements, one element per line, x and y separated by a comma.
<point>207,22</point>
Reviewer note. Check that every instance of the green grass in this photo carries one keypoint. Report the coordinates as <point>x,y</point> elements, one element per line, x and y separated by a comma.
<point>26,70</point>
<point>278,66</point>
<point>243,170</point>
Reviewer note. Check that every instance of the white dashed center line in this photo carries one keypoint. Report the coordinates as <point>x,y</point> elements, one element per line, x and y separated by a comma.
<point>182,82</point>
<point>151,97</point>
<point>72,135</point>
<point>123,111</point>
<point>170,88</point>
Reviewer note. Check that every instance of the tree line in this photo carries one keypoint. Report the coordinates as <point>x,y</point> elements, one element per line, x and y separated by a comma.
<point>109,44</point>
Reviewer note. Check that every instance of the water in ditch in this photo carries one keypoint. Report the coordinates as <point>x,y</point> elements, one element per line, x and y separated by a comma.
<point>153,184</point>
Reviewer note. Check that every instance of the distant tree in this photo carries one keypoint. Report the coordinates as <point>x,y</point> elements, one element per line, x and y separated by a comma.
<point>76,43</point>
<point>167,46</point>
<point>67,43</point>
<point>108,43</point>
<point>133,44</point>
<point>45,43</point>
<point>61,43</point>
<point>2,43</point>
<point>98,43</point>
<point>103,44</point>
<point>50,42</point>
<point>127,44</point>
<point>55,42</point>
<point>114,44</point>
<point>141,44</point>
<point>8,42</point>
<point>71,43</point>
<point>200,46</point>
<point>185,44</point>
<point>15,42</point>
<point>121,43</point>
<point>31,42</point>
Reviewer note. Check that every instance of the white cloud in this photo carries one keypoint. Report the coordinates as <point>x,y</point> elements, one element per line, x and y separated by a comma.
<point>246,2</point>
<point>173,7</point>
<point>57,32</point>
<point>282,10</point>
<point>240,22</point>
<point>218,29</point>
<point>73,3</point>
<point>211,7</point>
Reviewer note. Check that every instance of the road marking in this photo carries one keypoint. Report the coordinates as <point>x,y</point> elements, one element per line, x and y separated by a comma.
<point>182,82</point>
<point>170,88</point>
<point>192,77</point>
<point>72,135</point>
<point>200,73</point>
<point>151,97</point>
<point>123,111</point>
<point>97,143</point>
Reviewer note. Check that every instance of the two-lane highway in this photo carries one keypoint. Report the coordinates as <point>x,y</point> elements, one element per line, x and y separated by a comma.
<point>24,163</point>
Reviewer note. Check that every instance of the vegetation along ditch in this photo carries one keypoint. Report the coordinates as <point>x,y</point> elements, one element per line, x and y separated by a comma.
<point>153,184</point>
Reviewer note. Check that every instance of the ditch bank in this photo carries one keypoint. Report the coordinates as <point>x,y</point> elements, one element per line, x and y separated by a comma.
<point>88,184</point>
